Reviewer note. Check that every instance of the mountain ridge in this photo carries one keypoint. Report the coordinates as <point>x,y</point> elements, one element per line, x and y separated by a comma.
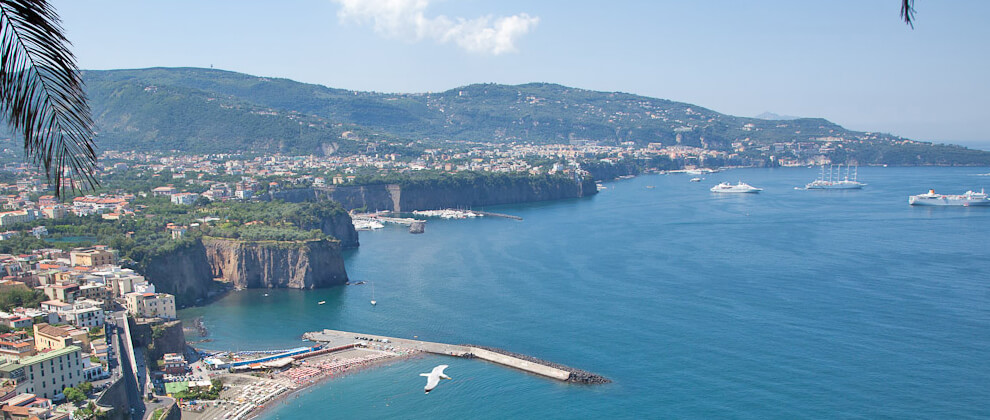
<point>209,110</point>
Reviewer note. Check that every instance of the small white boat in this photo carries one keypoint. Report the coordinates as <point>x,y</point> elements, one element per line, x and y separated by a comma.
<point>321,302</point>
<point>695,179</point>
<point>373,301</point>
<point>741,187</point>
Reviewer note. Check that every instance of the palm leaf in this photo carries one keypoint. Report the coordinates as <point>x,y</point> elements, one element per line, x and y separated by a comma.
<point>907,12</point>
<point>41,93</point>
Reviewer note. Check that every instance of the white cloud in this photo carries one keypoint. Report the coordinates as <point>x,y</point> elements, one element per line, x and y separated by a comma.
<point>407,20</point>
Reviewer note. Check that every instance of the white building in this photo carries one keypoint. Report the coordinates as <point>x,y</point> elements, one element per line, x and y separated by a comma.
<point>144,287</point>
<point>8,218</point>
<point>184,199</point>
<point>83,315</point>
<point>150,305</point>
<point>93,371</point>
<point>46,374</point>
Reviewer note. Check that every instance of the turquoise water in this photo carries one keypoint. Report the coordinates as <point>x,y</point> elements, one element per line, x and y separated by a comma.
<point>785,304</point>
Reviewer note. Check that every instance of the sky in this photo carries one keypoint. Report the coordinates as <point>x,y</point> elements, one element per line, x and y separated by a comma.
<point>853,62</point>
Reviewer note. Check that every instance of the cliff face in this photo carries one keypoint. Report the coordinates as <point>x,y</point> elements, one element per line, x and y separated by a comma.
<point>339,226</point>
<point>425,197</point>
<point>158,338</point>
<point>370,197</point>
<point>416,197</point>
<point>299,265</point>
<point>184,272</point>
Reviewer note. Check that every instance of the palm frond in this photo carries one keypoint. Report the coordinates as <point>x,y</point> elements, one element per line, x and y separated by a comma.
<point>907,12</point>
<point>41,93</point>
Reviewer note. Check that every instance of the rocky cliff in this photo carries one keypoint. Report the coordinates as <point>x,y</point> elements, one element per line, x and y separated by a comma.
<point>340,226</point>
<point>271,264</point>
<point>433,195</point>
<point>368,197</point>
<point>158,337</point>
<point>334,223</point>
<point>511,191</point>
<point>183,272</point>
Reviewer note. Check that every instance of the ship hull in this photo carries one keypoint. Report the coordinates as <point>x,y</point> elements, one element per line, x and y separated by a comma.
<point>947,202</point>
<point>835,186</point>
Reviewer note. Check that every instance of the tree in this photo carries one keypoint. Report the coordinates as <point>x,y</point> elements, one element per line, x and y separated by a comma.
<point>85,387</point>
<point>41,92</point>
<point>74,396</point>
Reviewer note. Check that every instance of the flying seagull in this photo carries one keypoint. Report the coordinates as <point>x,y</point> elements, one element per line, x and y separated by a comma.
<point>433,378</point>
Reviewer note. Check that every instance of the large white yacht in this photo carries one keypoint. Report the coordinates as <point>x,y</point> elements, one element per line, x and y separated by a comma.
<point>741,187</point>
<point>837,182</point>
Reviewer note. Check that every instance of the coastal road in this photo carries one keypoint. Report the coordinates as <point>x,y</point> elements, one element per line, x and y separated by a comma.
<point>127,364</point>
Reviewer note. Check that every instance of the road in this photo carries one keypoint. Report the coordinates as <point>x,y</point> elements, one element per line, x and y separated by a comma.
<point>126,364</point>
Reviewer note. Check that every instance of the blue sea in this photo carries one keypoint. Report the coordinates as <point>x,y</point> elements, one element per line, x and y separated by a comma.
<point>784,304</point>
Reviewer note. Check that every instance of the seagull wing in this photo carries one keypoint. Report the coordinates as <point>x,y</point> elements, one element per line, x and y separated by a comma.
<point>438,370</point>
<point>433,378</point>
<point>431,382</point>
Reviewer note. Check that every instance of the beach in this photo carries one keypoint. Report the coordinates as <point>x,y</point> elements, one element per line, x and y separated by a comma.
<point>247,395</point>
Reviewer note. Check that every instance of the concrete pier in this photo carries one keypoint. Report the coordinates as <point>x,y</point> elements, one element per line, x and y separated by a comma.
<point>490,214</point>
<point>335,338</point>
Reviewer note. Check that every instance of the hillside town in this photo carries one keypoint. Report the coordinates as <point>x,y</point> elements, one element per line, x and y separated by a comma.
<point>66,311</point>
<point>58,346</point>
<point>187,177</point>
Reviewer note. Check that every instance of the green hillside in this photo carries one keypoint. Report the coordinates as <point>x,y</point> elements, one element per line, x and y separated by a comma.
<point>204,110</point>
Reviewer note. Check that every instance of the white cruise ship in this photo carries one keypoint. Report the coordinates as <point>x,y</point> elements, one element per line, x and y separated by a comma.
<point>741,187</point>
<point>969,198</point>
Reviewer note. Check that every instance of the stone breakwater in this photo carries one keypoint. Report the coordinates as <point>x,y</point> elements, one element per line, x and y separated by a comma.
<point>576,375</point>
<point>333,338</point>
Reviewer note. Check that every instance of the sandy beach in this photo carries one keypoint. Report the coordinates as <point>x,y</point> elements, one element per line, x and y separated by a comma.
<point>247,395</point>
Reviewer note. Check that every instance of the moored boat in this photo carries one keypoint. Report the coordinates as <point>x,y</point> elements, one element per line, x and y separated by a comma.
<point>741,187</point>
<point>967,199</point>
<point>838,182</point>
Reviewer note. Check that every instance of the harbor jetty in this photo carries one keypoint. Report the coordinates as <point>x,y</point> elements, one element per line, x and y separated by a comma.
<point>490,214</point>
<point>334,338</point>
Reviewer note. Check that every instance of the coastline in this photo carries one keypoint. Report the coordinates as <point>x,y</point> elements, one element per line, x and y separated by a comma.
<point>283,398</point>
<point>247,395</point>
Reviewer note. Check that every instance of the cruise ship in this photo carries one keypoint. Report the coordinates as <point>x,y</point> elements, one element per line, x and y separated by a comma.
<point>970,198</point>
<point>838,182</point>
<point>741,187</point>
